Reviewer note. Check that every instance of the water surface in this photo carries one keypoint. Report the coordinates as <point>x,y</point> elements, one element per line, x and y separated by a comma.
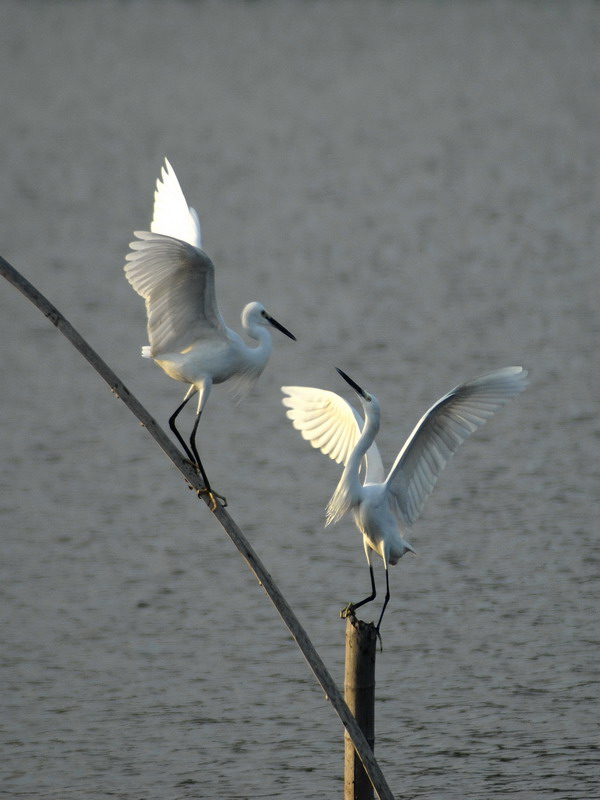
<point>413,191</point>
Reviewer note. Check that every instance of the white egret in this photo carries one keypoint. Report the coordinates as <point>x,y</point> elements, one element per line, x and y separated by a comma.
<point>378,503</point>
<point>188,336</point>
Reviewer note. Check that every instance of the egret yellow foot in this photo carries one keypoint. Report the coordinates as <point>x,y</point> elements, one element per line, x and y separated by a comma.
<point>214,498</point>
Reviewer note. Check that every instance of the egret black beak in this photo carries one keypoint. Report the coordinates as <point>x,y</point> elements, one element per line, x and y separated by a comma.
<point>354,385</point>
<point>279,327</point>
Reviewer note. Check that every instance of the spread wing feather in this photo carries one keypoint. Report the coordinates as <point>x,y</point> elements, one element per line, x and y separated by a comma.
<point>331,425</point>
<point>177,281</point>
<point>172,215</point>
<point>440,432</point>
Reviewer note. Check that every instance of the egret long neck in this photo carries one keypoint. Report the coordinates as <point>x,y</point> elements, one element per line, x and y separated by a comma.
<point>366,439</point>
<point>259,354</point>
<point>349,491</point>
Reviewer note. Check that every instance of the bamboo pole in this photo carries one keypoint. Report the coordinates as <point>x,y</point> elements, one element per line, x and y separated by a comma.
<point>315,662</point>
<point>359,693</point>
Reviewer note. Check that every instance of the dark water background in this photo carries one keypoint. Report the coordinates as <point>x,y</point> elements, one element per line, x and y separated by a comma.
<point>413,189</point>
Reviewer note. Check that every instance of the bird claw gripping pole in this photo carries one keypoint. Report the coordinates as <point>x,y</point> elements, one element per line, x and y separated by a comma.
<point>214,498</point>
<point>348,612</point>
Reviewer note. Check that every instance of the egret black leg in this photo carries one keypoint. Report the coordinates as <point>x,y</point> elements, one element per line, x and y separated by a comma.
<point>193,454</point>
<point>180,439</point>
<point>196,457</point>
<point>207,487</point>
<point>387,596</point>
<point>373,594</point>
<point>351,607</point>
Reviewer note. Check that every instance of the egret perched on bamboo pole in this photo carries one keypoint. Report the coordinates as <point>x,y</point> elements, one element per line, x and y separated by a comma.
<point>188,336</point>
<point>379,503</point>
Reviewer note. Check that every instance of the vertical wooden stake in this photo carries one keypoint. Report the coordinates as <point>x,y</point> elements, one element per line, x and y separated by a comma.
<point>359,690</point>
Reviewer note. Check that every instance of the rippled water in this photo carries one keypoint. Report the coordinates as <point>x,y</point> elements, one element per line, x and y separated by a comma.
<point>413,190</point>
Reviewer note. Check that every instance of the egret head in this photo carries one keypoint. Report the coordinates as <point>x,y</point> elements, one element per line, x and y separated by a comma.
<point>256,314</point>
<point>368,400</point>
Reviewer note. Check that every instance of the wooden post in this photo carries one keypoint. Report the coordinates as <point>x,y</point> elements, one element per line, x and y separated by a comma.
<point>359,691</point>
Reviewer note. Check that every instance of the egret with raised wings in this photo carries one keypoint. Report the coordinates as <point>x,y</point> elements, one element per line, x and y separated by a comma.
<point>379,503</point>
<point>188,336</point>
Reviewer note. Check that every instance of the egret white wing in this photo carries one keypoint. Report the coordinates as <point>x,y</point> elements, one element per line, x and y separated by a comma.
<point>439,433</point>
<point>177,281</point>
<point>172,215</point>
<point>330,424</point>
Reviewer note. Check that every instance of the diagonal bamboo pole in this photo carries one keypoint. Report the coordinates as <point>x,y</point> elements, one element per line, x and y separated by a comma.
<point>315,662</point>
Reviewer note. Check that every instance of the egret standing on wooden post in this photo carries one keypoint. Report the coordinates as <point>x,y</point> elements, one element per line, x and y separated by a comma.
<point>332,426</point>
<point>188,336</point>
